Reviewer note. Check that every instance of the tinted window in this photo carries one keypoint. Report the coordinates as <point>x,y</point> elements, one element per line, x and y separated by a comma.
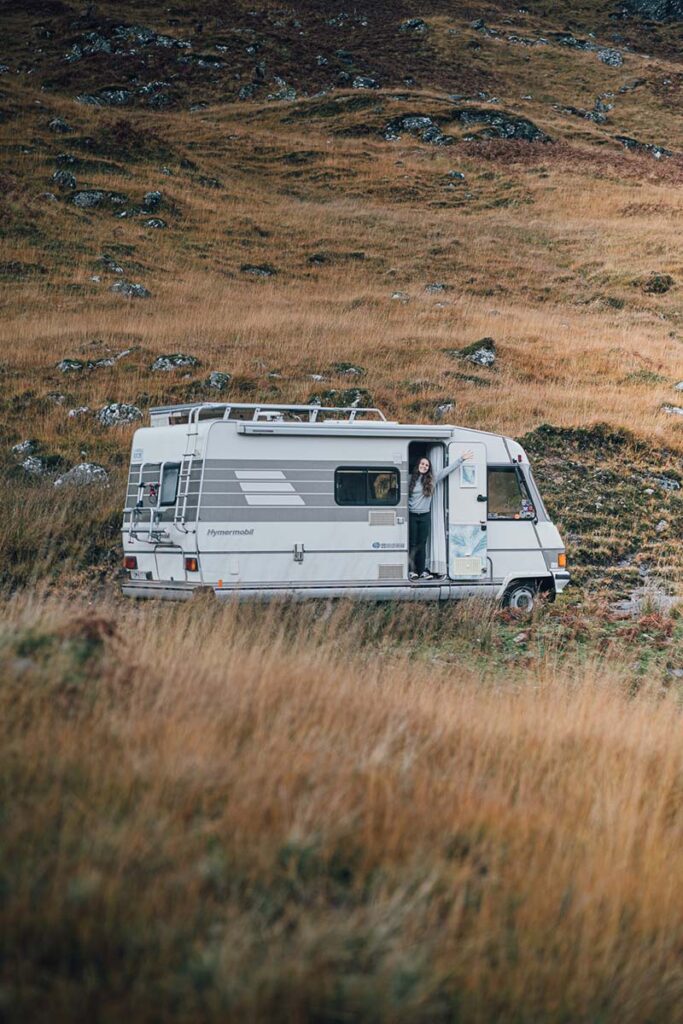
<point>508,496</point>
<point>359,486</point>
<point>169,484</point>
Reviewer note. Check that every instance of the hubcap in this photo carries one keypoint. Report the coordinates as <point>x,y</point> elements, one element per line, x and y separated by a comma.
<point>522,599</point>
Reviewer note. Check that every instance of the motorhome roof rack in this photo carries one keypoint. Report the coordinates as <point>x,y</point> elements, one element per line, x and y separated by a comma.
<point>254,412</point>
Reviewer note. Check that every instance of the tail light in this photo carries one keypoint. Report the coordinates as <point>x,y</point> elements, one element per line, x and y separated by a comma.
<point>130,562</point>
<point>562,560</point>
<point>192,565</point>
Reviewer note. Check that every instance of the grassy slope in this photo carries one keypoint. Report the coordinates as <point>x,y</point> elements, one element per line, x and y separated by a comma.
<point>461,816</point>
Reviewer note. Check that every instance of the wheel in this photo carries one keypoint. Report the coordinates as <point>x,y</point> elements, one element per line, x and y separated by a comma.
<point>522,596</point>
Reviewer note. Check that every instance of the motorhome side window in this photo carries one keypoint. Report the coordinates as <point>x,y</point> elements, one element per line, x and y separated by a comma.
<point>508,497</point>
<point>356,485</point>
<point>169,483</point>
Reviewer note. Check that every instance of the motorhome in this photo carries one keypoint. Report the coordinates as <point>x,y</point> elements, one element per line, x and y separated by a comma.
<point>304,501</point>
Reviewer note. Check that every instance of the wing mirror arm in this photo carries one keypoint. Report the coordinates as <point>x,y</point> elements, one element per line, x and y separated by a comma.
<point>481,497</point>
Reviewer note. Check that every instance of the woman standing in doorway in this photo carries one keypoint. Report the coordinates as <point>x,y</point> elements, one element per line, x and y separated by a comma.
<point>423,484</point>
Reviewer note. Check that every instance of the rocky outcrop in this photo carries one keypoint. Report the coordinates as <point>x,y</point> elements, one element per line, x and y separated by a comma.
<point>85,474</point>
<point>176,361</point>
<point>130,290</point>
<point>117,414</point>
<point>656,10</point>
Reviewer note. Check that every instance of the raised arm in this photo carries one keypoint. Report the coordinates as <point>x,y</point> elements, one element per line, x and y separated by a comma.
<point>451,467</point>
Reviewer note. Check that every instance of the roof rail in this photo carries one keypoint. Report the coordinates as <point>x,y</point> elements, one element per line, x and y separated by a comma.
<point>192,412</point>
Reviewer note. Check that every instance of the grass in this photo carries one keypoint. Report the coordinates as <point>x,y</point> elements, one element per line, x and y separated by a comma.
<point>331,814</point>
<point>273,814</point>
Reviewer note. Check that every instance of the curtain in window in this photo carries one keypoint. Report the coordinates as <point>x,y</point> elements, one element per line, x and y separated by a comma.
<point>436,549</point>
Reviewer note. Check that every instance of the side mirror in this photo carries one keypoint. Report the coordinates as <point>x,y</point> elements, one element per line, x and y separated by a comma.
<point>481,497</point>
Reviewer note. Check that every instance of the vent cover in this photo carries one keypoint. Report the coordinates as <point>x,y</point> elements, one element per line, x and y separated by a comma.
<point>381,518</point>
<point>390,572</point>
<point>473,566</point>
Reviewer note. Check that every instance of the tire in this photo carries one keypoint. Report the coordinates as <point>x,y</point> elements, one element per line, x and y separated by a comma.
<point>521,596</point>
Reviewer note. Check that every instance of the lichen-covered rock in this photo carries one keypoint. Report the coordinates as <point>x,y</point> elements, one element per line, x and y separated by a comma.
<point>71,365</point>
<point>152,201</point>
<point>347,369</point>
<point>364,82</point>
<point>65,179</point>
<point>81,410</point>
<point>175,361</point>
<point>436,287</point>
<point>444,409</point>
<point>92,198</point>
<point>348,398</point>
<point>481,353</point>
<point>118,413</point>
<point>416,26</point>
<point>673,410</point>
<point>283,91</point>
<point>155,222</point>
<point>110,264</point>
<point>643,147</point>
<point>130,290</point>
<point>656,10</point>
<point>83,475</point>
<point>658,284</point>
<point>258,269</point>
<point>218,381</point>
<point>24,448</point>
<point>417,124</point>
<point>116,97</point>
<point>500,125</point>
<point>612,58</point>
<point>35,465</point>
<point>59,126</point>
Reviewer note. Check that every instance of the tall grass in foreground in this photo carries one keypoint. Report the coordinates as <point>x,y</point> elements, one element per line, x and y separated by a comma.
<point>303,814</point>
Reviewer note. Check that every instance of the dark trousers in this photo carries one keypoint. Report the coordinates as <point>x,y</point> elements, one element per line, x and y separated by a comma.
<point>418,534</point>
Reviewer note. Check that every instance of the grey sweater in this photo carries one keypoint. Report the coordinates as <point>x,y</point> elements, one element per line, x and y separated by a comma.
<point>420,502</point>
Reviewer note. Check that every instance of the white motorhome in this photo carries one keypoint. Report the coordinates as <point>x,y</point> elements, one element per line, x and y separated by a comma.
<point>261,501</point>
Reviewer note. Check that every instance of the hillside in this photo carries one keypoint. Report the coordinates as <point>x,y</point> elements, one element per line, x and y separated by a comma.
<point>341,814</point>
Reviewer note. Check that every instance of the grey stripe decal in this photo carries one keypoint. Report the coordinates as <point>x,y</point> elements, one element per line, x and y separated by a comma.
<point>254,514</point>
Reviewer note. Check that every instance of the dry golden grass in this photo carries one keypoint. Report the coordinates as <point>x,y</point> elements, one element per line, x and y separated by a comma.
<point>270,814</point>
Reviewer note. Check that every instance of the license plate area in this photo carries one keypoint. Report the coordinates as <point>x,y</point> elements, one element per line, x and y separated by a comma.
<point>140,574</point>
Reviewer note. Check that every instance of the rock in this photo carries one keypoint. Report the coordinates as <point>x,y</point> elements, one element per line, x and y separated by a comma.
<point>258,269</point>
<point>644,147</point>
<point>679,386</point>
<point>57,397</point>
<point>247,92</point>
<point>500,125</point>
<point>444,409</point>
<point>130,290</point>
<point>110,264</point>
<point>65,179</point>
<point>673,410</point>
<point>658,284</point>
<point>176,361</point>
<point>481,353</point>
<point>91,198</point>
<point>317,259</point>
<point>83,475</point>
<point>416,124</point>
<point>364,82</point>
<point>218,381</point>
<point>35,465</point>
<point>71,365</point>
<point>400,297</point>
<point>662,526</point>
<point>455,175</point>
<point>58,125</point>
<point>151,201</point>
<point>414,25</point>
<point>612,58</point>
<point>81,410</point>
<point>24,448</point>
<point>350,398</point>
<point>656,10</point>
<point>118,413</point>
<point>666,483</point>
<point>209,182</point>
<point>283,91</point>
<point>114,97</point>
<point>347,370</point>
<point>154,222</point>
<point>437,287</point>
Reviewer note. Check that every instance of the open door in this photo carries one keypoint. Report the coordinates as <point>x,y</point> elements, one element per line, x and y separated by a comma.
<point>467,523</point>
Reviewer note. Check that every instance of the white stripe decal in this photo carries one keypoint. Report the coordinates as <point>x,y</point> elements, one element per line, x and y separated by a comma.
<point>272,488</point>
<point>274,499</point>
<point>259,474</point>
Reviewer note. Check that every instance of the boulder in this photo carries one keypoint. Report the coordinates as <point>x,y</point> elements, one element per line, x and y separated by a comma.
<point>673,410</point>
<point>130,290</point>
<point>481,353</point>
<point>118,413</point>
<point>612,58</point>
<point>656,10</point>
<point>24,448</point>
<point>416,26</point>
<point>643,147</point>
<point>83,475</point>
<point>417,124</point>
<point>92,198</point>
<point>218,381</point>
<point>59,125</point>
<point>81,410</point>
<point>351,397</point>
<point>437,287</point>
<point>499,124</point>
<point>176,361</point>
<point>71,365</point>
<point>658,284</point>
<point>110,264</point>
<point>443,409</point>
<point>35,465</point>
<point>110,97</point>
<point>364,82</point>
<point>152,201</point>
<point>258,269</point>
<point>155,222</point>
<point>65,179</point>
<point>347,370</point>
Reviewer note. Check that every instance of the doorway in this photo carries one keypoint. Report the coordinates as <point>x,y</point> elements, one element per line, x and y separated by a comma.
<point>437,557</point>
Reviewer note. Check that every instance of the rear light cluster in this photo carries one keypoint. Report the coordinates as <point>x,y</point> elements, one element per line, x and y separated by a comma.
<point>192,565</point>
<point>130,562</point>
<point>562,560</point>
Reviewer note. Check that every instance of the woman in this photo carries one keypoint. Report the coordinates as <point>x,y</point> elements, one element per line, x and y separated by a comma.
<point>423,483</point>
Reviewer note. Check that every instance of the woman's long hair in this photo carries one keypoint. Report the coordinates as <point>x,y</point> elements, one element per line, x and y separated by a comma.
<point>427,479</point>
